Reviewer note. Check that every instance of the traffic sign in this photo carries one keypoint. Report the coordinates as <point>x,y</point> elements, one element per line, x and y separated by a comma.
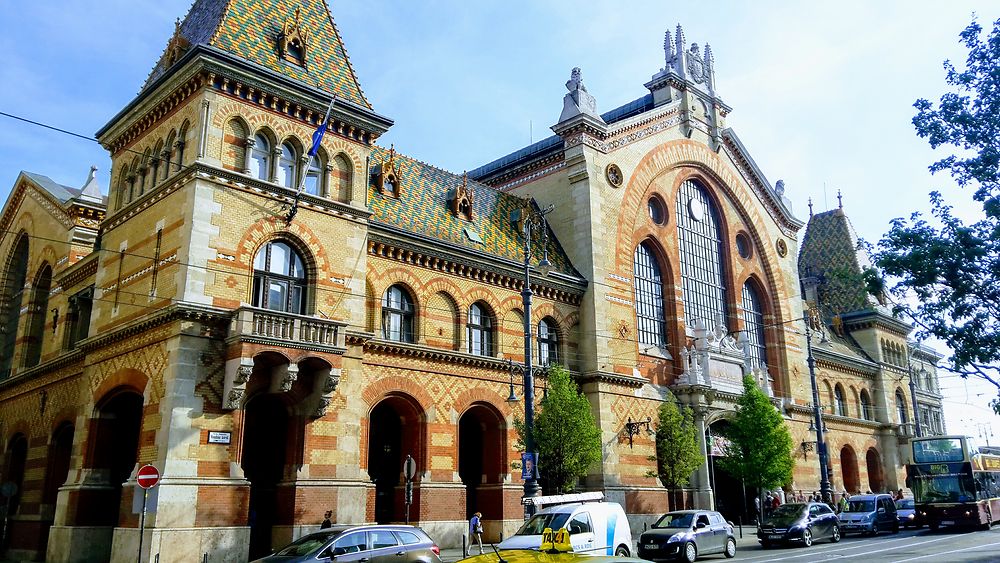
<point>409,468</point>
<point>147,477</point>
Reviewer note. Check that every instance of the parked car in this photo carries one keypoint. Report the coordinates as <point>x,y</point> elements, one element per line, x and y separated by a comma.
<point>803,522</point>
<point>349,544</point>
<point>869,514</point>
<point>597,528</point>
<point>687,534</point>
<point>905,513</point>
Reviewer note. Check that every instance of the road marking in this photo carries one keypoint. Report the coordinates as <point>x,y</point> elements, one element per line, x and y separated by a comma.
<point>947,552</point>
<point>889,548</point>
<point>857,545</point>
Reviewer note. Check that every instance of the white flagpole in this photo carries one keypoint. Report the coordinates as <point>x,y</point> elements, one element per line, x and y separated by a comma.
<point>304,173</point>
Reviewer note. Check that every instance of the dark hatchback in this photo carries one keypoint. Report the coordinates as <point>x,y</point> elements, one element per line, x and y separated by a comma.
<point>799,523</point>
<point>687,534</point>
<point>358,544</point>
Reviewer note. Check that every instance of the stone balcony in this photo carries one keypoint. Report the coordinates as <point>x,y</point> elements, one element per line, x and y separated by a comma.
<point>253,325</point>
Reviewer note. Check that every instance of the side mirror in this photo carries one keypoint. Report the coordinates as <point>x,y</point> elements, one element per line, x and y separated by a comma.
<point>699,525</point>
<point>881,510</point>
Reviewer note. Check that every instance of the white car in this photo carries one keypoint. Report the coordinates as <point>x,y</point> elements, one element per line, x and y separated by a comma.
<point>595,528</point>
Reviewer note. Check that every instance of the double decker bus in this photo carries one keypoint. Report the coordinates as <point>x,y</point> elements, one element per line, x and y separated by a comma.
<point>954,483</point>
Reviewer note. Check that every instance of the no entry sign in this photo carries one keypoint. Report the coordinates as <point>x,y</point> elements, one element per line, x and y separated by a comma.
<point>147,477</point>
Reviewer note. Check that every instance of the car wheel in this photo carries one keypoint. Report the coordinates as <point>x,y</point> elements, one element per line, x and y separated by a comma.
<point>730,548</point>
<point>989,520</point>
<point>690,552</point>
<point>807,537</point>
<point>622,551</point>
<point>933,525</point>
<point>874,531</point>
<point>836,534</point>
<point>895,528</point>
<point>765,544</point>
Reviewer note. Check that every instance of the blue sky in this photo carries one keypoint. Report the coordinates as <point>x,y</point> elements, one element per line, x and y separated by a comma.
<point>822,92</point>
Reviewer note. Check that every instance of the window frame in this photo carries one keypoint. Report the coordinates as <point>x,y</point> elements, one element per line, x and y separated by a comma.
<point>404,313</point>
<point>650,306</point>
<point>704,290</point>
<point>481,333</point>
<point>262,279</point>
<point>548,342</point>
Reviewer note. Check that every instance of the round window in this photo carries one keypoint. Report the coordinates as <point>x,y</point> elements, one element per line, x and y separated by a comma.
<point>657,212</point>
<point>743,246</point>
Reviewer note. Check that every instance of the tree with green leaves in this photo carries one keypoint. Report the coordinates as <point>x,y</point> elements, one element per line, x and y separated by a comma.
<point>566,435</point>
<point>677,451</point>
<point>758,450</point>
<point>944,272</point>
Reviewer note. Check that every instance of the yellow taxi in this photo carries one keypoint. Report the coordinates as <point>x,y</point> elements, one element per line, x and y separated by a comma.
<point>555,548</point>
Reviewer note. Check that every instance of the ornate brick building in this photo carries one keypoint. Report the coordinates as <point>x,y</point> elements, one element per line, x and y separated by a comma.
<point>277,332</point>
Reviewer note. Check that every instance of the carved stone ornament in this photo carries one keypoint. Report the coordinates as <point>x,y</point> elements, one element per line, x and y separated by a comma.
<point>614,175</point>
<point>321,407</point>
<point>461,200</point>
<point>578,101</point>
<point>288,380</point>
<point>386,174</point>
<point>235,399</point>
<point>782,247</point>
<point>177,46</point>
<point>330,383</point>
<point>243,374</point>
<point>293,41</point>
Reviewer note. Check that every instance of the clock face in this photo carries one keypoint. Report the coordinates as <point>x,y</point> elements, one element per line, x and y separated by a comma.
<point>696,209</point>
<point>614,175</point>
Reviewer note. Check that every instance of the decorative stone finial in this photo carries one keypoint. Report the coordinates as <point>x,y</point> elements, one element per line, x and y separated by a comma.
<point>679,41</point>
<point>668,50</point>
<point>779,188</point>
<point>810,207</point>
<point>840,200</point>
<point>578,101</point>
<point>91,190</point>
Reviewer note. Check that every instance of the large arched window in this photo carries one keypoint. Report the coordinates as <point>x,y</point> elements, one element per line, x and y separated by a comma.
<point>260,158</point>
<point>480,330</point>
<point>548,342</point>
<point>866,405</point>
<point>901,407</point>
<point>279,278</point>
<point>704,290</point>
<point>839,404</point>
<point>397,315</point>
<point>10,305</point>
<point>286,166</point>
<point>649,297</point>
<point>753,322</point>
<point>37,311</point>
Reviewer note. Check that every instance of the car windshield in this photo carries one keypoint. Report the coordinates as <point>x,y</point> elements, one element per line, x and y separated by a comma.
<point>788,511</point>
<point>306,544</point>
<point>867,505</point>
<point>671,520</point>
<point>539,522</point>
<point>905,503</point>
<point>944,488</point>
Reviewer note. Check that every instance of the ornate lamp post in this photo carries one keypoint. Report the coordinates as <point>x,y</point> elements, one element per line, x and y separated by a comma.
<point>530,221</point>
<point>809,285</point>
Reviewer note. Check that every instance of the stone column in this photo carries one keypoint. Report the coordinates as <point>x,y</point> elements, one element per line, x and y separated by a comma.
<point>704,496</point>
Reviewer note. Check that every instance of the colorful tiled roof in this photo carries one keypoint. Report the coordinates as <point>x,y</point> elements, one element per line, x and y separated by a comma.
<point>830,249</point>
<point>423,208</point>
<point>250,28</point>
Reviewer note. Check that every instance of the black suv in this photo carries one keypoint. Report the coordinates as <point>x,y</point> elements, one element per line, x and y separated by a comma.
<point>799,522</point>
<point>350,544</point>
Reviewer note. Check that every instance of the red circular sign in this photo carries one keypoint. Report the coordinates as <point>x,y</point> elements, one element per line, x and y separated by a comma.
<point>147,477</point>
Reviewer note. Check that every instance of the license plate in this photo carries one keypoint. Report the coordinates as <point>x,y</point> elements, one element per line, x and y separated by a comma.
<point>774,537</point>
<point>947,522</point>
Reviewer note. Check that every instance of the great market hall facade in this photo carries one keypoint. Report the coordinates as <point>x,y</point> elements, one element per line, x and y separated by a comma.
<point>277,352</point>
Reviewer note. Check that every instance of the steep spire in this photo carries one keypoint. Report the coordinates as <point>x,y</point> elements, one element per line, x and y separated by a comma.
<point>840,200</point>
<point>295,38</point>
<point>679,43</point>
<point>91,190</point>
<point>668,50</point>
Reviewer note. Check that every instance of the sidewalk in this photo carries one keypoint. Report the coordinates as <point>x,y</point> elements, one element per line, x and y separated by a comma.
<point>749,538</point>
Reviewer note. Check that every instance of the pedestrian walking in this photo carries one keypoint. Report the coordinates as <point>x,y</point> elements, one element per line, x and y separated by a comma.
<point>756,509</point>
<point>844,502</point>
<point>326,520</point>
<point>476,531</point>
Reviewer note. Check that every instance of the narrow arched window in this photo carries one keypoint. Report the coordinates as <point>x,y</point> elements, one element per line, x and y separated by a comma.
<point>901,408</point>
<point>260,158</point>
<point>548,342</point>
<point>314,177</point>
<point>279,278</point>
<point>286,166</point>
<point>341,179</point>
<point>397,315</point>
<point>753,322</point>
<point>840,406</point>
<point>702,271</point>
<point>649,313</point>
<point>10,305</point>
<point>37,312</point>
<point>866,405</point>
<point>480,326</point>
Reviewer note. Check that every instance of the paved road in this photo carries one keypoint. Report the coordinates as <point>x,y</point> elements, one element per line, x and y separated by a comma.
<point>921,545</point>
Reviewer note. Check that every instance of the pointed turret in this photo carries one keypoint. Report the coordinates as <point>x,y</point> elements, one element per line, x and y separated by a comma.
<point>91,191</point>
<point>296,38</point>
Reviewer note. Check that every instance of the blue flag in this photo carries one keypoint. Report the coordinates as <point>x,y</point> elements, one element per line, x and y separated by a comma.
<point>317,138</point>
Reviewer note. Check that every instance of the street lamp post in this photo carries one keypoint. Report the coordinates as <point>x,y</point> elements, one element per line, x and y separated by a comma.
<point>810,284</point>
<point>530,220</point>
<point>917,430</point>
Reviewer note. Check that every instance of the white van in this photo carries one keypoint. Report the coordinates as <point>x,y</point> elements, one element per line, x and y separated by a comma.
<point>595,528</point>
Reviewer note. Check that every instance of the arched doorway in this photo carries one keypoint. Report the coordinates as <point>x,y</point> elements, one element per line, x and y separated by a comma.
<point>731,497</point>
<point>849,470</point>
<point>265,437</point>
<point>56,470</point>
<point>395,430</point>
<point>874,462</point>
<point>481,460</point>
<point>115,440</point>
